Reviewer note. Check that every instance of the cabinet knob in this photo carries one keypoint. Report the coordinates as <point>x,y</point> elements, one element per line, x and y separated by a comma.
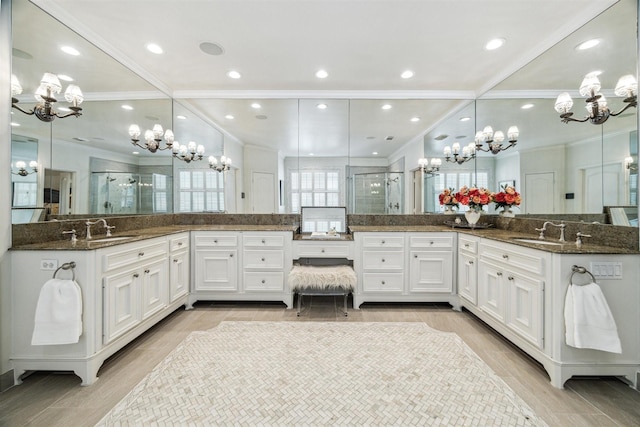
<point>382,242</point>
<point>431,243</point>
<point>510,277</point>
<point>415,256</point>
<point>136,275</point>
<point>382,282</point>
<point>470,262</point>
<point>140,253</point>
<point>147,271</point>
<point>263,241</point>
<point>261,259</point>
<point>263,281</point>
<point>322,250</point>
<point>505,256</point>
<point>499,273</point>
<point>382,259</point>
<point>179,243</point>
<point>466,245</point>
<point>230,255</point>
<point>175,260</point>
<point>215,241</point>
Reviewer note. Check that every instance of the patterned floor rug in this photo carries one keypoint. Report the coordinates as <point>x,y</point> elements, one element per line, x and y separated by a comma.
<point>322,373</point>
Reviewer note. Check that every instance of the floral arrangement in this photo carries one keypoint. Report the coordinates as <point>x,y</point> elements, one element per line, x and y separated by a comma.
<point>474,197</point>
<point>448,197</point>
<point>507,198</point>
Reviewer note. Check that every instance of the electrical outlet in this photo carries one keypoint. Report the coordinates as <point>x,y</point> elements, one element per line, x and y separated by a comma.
<point>606,270</point>
<point>48,264</point>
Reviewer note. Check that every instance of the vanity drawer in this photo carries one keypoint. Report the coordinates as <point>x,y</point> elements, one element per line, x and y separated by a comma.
<point>382,260</point>
<point>382,282</point>
<point>382,241</point>
<point>322,249</point>
<point>132,253</point>
<point>468,245</point>
<point>263,281</point>
<point>525,259</point>
<point>216,240</point>
<point>427,241</point>
<point>271,259</point>
<point>180,242</point>
<point>263,240</point>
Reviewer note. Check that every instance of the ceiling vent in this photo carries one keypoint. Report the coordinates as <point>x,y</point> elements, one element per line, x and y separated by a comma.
<point>389,138</point>
<point>441,137</point>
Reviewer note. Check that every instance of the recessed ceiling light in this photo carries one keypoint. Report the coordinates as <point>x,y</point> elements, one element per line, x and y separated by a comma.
<point>322,106</point>
<point>311,154</point>
<point>234,74</point>
<point>135,152</point>
<point>65,78</point>
<point>465,119</point>
<point>322,74</point>
<point>527,106</point>
<point>595,73</point>
<point>229,117</point>
<point>375,153</point>
<point>211,48</point>
<point>256,105</point>
<point>70,50</point>
<point>371,137</point>
<point>154,48</point>
<point>15,124</point>
<point>415,119</point>
<point>81,139</point>
<point>407,74</point>
<point>261,117</point>
<point>152,118</point>
<point>494,44</point>
<point>386,107</point>
<point>127,107</point>
<point>181,117</point>
<point>588,44</point>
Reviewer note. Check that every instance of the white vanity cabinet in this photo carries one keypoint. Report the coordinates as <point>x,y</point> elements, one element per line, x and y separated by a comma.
<point>125,290</point>
<point>468,267</point>
<point>179,266</point>
<point>241,266</point>
<point>405,267</point>
<point>521,294</point>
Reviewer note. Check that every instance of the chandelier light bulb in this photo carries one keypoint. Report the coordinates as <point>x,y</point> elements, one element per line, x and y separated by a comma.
<point>33,164</point>
<point>16,88</point>
<point>423,162</point>
<point>513,133</point>
<point>436,162</point>
<point>212,161</point>
<point>487,133</point>
<point>51,82</point>
<point>158,131</point>
<point>20,164</point>
<point>148,135</point>
<point>169,137</point>
<point>447,151</point>
<point>134,131</point>
<point>627,86</point>
<point>498,136</point>
<point>200,150</point>
<point>590,85</point>
<point>456,147</point>
<point>73,94</point>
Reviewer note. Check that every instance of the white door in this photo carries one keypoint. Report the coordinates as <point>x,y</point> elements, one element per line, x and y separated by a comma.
<point>596,180</point>
<point>539,192</point>
<point>263,192</point>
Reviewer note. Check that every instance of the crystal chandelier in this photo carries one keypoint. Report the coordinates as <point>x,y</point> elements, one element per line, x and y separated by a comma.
<point>45,95</point>
<point>468,153</point>
<point>494,139</point>
<point>430,168</point>
<point>597,110</point>
<point>153,138</point>
<point>188,153</point>
<point>223,165</point>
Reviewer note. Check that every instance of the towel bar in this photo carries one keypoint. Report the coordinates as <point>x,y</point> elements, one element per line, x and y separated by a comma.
<point>580,270</point>
<point>67,266</point>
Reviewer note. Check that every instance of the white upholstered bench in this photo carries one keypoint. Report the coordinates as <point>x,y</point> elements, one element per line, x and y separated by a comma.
<point>322,280</point>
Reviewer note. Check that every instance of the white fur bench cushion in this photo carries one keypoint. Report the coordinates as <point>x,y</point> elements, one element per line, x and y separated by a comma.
<point>322,277</point>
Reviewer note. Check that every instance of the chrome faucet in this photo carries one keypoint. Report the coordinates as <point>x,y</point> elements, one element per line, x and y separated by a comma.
<point>106,226</point>
<point>579,236</point>
<point>562,226</point>
<point>74,237</point>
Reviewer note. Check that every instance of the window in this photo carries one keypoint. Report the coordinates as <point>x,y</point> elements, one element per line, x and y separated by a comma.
<point>159,193</point>
<point>200,191</point>
<point>314,188</point>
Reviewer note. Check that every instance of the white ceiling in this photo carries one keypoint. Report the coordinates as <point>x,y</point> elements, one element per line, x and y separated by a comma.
<point>278,45</point>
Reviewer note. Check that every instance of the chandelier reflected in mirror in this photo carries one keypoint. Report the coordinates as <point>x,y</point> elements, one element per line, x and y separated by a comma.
<point>494,139</point>
<point>153,138</point>
<point>452,154</point>
<point>598,111</point>
<point>222,166</point>
<point>45,95</point>
<point>22,168</point>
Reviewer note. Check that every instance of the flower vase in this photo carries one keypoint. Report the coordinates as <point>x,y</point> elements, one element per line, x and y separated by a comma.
<point>507,213</point>
<point>472,216</point>
<point>449,210</point>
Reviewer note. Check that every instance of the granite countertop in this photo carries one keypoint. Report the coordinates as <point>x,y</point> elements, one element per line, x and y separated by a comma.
<point>506,236</point>
<point>100,241</point>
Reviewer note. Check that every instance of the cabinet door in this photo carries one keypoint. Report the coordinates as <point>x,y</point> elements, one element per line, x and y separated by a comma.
<point>468,277</point>
<point>491,290</point>
<point>179,275</point>
<point>216,270</point>
<point>155,290</point>
<point>524,307</point>
<point>431,271</point>
<point>121,303</point>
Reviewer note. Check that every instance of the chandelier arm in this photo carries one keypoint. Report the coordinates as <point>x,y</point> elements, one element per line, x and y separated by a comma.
<point>73,113</point>
<point>13,104</point>
<point>631,104</point>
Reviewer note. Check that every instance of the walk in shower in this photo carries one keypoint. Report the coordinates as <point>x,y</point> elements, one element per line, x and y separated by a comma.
<point>378,193</point>
<point>130,193</point>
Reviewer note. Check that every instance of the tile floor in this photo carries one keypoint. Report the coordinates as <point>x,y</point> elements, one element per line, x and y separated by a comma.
<point>57,399</point>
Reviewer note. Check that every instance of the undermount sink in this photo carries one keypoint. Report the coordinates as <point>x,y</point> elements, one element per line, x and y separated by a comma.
<point>110,239</point>
<point>536,241</point>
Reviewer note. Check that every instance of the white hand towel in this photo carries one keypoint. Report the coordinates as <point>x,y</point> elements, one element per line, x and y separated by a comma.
<point>58,318</point>
<point>588,320</point>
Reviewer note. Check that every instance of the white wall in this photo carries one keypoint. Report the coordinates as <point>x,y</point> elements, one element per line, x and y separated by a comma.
<point>5,182</point>
<point>258,159</point>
